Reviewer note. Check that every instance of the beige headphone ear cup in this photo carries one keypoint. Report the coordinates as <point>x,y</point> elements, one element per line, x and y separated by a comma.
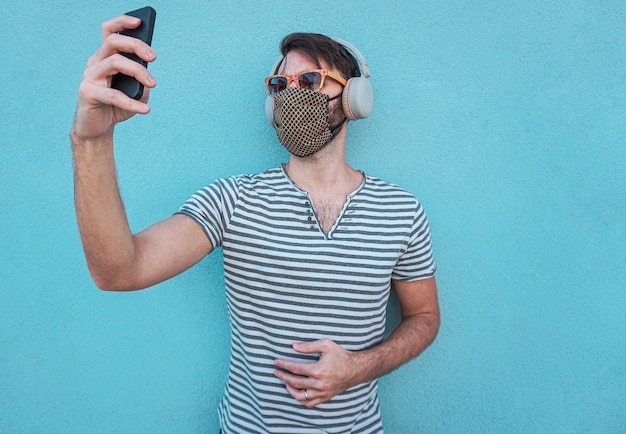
<point>358,98</point>
<point>345,101</point>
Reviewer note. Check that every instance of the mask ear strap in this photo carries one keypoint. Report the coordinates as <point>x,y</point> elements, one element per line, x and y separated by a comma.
<point>335,97</point>
<point>338,126</point>
<point>334,129</point>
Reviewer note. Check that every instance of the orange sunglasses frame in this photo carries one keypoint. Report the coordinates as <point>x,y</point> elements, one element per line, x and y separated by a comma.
<point>294,79</point>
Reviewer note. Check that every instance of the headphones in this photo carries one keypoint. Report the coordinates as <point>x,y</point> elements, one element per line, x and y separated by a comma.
<point>357,99</point>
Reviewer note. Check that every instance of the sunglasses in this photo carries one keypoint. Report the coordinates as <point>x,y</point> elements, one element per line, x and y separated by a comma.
<point>312,80</point>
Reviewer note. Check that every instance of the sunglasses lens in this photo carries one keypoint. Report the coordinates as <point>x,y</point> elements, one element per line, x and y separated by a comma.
<point>310,80</point>
<point>277,84</point>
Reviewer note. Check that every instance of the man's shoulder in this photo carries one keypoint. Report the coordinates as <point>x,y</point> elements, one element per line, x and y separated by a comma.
<point>275,173</point>
<point>270,177</point>
<point>265,176</point>
<point>379,187</point>
<point>269,181</point>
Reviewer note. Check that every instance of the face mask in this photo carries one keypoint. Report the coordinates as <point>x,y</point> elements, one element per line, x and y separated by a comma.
<point>302,122</point>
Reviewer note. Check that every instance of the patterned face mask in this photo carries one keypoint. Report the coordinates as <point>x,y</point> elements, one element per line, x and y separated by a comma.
<point>301,120</point>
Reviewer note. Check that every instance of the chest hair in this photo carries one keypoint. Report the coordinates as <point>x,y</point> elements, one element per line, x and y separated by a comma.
<point>327,210</point>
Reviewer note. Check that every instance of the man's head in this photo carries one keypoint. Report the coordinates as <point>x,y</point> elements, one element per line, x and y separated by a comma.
<point>315,87</point>
<point>335,55</point>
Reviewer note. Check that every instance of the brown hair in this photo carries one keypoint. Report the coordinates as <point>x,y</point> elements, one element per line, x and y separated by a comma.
<point>319,48</point>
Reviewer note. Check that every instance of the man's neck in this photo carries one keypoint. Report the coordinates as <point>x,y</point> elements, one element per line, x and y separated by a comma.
<point>324,175</point>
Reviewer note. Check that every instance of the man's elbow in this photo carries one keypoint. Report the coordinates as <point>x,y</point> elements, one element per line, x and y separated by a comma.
<point>112,281</point>
<point>434,325</point>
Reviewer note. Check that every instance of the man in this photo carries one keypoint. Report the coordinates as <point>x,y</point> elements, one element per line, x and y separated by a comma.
<point>311,248</point>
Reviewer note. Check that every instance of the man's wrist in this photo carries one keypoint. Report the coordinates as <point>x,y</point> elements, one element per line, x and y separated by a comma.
<point>367,365</point>
<point>79,140</point>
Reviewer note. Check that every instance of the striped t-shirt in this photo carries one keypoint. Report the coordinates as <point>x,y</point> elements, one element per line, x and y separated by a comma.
<point>287,281</point>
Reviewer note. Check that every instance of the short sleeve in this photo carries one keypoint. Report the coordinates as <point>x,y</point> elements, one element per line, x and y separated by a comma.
<point>417,261</point>
<point>212,207</point>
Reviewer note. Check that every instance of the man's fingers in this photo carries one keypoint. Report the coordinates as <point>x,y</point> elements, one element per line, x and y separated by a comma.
<point>296,381</point>
<point>102,72</point>
<point>119,99</point>
<point>117,24</point>
<point>116,43</point>
<point>298,368</point>
<point>308,397</point>
<point>319,346</point>
<point>113,97</point>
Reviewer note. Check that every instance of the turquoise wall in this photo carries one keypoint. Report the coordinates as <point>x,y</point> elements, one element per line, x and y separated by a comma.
<point>507,120</point>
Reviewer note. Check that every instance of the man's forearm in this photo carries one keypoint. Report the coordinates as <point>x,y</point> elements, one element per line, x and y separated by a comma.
<point>102,221</point>
<point>410,338</point>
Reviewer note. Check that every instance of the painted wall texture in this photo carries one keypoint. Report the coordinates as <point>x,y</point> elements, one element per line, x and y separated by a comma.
<point>506,119</point>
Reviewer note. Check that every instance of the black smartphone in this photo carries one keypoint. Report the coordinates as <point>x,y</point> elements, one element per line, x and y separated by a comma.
<point>125,83</point>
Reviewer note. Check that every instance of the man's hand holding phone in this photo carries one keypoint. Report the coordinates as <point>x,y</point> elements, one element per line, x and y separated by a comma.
<point>126,83</point>
<point>100,106</point>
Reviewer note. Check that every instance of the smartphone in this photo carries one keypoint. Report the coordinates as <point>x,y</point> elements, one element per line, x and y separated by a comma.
<point>125,83</point>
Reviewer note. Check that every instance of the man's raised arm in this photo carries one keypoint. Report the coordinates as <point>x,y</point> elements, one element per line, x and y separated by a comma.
<point>117,259</point>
